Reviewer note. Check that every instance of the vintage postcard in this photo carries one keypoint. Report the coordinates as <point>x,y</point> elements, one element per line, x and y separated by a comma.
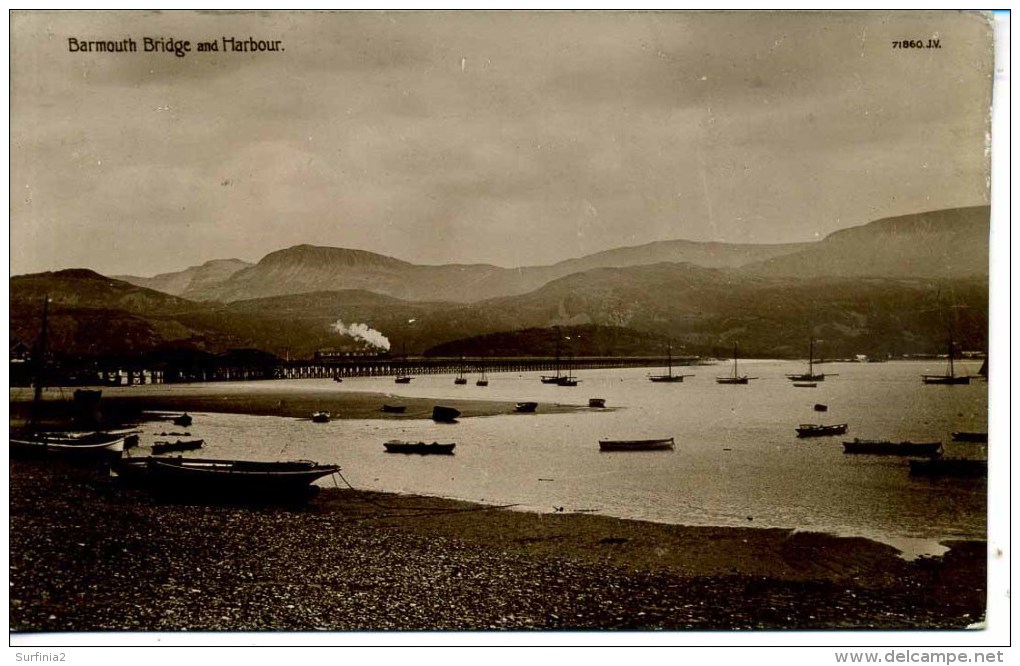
<point>500,321</point>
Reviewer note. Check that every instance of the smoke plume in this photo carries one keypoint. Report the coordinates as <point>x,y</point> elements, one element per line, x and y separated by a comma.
<point>362,332</point>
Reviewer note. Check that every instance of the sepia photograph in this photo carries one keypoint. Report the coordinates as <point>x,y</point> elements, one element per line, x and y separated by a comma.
<point>595,323</point>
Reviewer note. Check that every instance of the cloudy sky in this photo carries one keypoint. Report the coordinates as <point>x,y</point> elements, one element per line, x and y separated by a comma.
<point>505,138</point>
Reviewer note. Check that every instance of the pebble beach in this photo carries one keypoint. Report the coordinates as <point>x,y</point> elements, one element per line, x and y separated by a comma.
<point>89,555</point>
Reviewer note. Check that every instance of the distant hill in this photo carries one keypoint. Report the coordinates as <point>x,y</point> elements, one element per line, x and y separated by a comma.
<point>949,243</point>
<point>192,282</point>
<point>307,268</point>
<point>938,244</point>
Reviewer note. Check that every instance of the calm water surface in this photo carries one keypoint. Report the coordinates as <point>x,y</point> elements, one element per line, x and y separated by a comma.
<point>737,460</point>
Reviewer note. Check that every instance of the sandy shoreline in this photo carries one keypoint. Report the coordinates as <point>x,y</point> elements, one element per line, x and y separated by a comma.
<point>125,404</point>
<point>87,555</point>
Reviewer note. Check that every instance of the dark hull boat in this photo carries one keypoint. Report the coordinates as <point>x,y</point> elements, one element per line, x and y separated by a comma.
<point>636,444</point>
<point>977,437</point>
<point>597,402</point>
<point>879,447</point>
<point>950,378</point>
<point>184,420</point>
<point>403,380</point>
<point>225,480</point>
<point>805,385</point>
<point>394,409</point>
<point>420,448</point>
<point>526,407</point>
<point>939,466</point>
<point>814,430</point>
<point>736,377</point>
<point>179,445</point>
<point>320,417</point>
<point>445,414</point>
<point>810,375</point>
<point>669,377</point>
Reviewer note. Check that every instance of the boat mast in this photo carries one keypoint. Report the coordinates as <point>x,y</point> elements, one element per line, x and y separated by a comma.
<point>810,359</point>
<point>951,370</point>
<point>40,364</point>
<point>734,360</point>
<point>669,359</point>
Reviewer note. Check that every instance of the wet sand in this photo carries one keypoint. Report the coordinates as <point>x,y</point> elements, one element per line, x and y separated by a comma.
<point>122,405</point>
<point>87,554</point>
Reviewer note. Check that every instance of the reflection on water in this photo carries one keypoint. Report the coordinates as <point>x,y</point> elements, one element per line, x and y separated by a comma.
<point>737,461</point>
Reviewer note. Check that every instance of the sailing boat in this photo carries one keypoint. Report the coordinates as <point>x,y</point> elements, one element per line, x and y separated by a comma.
<point>554,379</point>
<point>568,379</point>
<point>737,378</point>
<point>482,381</point>
<point>950,378</point>
<point>461,380</point>
<point>810,375</point>
<point>79,445</point>
<point>669,376</point>
<point>403,378</point>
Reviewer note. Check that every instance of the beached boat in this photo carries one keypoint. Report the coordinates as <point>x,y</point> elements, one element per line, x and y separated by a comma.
<point>810,375</point>
<point>394,409</point>
<point>246,480</point>
<point>636,444</point>
<point>94,447</point>
<point>950,378</point>
<point>179,445</point>
<point>320,417</point>
<point>420,448</point>
<point>815,430</point>
<point>977,437</point>
<point>941,466</point>
<point>596,402</point>
<point>445,414</point>
<point>736,378</point>
<point>526,407</point>
<point>884,447</point>
<point>669,377</point>
<point>184,420</point>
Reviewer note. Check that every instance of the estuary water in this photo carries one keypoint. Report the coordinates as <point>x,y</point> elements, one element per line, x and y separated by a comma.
<point>737,460</point>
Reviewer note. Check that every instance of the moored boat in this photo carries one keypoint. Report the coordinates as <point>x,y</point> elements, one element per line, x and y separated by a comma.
<point>942,466</point>
<point>884,447</point>
<point>394,409</point>
<point>977,437</point>
<point>445,414</point>
<point>950,378</point>
<point>320,417</point>
<point>97,446</point>
<point>246,480</point>
<point>420,448</point>
<point>805,384</point>
<point>816,430</point>
<point>810,376</point>
<point>736,378</point>
<point>526,407</point>
<point>184,420</point>
<point>179,445</point>
<point>636,444</point>
<point>403,379</point>
<point>819,407</point>
<point>669,377</point>
<point>596,402</point>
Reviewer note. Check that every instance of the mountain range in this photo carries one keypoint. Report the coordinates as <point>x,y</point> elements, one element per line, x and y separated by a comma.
<point>889,287</point>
